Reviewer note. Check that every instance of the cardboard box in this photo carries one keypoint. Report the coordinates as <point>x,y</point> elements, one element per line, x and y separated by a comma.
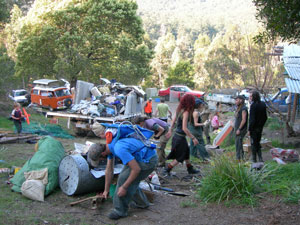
<point>247,148</point>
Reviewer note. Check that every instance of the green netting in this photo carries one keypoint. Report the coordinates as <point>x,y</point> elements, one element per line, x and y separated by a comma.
<point>45,129</point>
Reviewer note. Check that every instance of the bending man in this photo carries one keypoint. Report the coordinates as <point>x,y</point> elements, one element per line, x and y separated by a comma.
<point>139,161</point>
<point>160,128</point>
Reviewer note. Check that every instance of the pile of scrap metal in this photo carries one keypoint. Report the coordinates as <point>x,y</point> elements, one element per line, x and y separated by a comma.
<point>107,100</point>
<point>6,138</point>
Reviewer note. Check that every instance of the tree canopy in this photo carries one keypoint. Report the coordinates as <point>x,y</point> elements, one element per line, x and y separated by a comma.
<point>182,73</point>
<point>78,39</point>
<point>280,18</point>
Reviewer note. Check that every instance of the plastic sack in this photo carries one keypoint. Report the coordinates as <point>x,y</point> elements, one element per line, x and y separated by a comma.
<point>41,175</point>
<point>110,111</point>
<point>50,153</point>
<point>33,189</point>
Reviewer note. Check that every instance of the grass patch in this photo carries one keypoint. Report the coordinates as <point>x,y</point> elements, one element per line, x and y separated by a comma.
<point>278,144</point>
<point>273,123</point>
<point>284,180</point>
<point>6,124</point>
<point>227,180</point>
<point>188,204</point>
<point>229,113</point>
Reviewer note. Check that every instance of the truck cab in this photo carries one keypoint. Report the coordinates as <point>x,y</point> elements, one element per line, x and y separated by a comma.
<point>279,100</point>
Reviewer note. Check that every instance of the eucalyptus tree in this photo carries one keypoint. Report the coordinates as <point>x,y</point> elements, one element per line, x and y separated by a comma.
<point>182,73</point>
<point>80,39</point>
<point>162,60</point>
<point>280,18</point>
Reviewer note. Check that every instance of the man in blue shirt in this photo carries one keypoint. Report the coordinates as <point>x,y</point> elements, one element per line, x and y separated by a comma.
<point>139,160</point>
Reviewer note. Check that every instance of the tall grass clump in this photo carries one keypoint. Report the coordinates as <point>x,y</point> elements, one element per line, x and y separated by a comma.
<point>227,180</point>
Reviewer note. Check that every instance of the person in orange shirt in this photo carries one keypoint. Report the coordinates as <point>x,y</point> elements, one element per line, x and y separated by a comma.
<point>106,133</point>
<point>148,108</point>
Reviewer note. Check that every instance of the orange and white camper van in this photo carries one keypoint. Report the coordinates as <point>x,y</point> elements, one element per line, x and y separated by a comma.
<point>51,94</point>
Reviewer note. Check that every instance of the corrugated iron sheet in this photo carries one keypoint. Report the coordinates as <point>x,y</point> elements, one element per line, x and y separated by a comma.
<point>291,54</point>
<point>293,70</point>
<point>293,86</point>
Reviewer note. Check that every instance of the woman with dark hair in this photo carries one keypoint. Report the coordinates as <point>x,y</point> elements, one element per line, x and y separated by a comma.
<point>196,127</point>
<point>180,150</point>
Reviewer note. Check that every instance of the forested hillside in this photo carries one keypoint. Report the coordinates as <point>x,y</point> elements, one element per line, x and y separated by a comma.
<point>204,44</point>
<point>196,15</point>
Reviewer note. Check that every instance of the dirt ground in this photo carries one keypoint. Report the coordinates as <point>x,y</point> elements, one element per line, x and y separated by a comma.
<point>166,209</point>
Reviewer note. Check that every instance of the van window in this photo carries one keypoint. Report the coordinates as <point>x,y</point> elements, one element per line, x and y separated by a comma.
<point>62,92</point>
<point>44,93</point>
<point>35,92</point>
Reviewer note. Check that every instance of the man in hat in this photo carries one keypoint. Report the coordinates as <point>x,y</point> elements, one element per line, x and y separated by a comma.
<point>240,125</point>
<point>106,133</point>
<point>148,108</point>
<point>139,160</point>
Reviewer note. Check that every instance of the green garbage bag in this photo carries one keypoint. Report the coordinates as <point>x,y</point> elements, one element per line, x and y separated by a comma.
<point>50,153</point>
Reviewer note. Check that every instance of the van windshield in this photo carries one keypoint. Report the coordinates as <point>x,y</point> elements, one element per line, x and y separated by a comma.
<point>62,92</point>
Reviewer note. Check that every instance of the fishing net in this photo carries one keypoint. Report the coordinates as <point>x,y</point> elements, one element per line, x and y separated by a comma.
<point>45,129</point>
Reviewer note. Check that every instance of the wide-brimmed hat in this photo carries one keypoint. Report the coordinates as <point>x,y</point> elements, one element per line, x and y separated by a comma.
<point>98,129</point>
<point>94,154</point>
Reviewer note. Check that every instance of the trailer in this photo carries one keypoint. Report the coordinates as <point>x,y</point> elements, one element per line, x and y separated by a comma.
<point>82,123</point>
<point>225,98</point>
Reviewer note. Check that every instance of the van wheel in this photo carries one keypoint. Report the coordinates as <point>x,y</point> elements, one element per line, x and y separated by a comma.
<point>68,102</point>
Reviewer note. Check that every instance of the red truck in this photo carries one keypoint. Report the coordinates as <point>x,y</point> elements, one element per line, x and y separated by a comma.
<point>178,91</point>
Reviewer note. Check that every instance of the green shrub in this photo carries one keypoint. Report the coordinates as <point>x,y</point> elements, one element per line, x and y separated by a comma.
<point>226,180</point>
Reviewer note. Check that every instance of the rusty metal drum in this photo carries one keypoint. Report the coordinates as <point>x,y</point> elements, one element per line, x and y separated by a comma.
<point>75,177</point>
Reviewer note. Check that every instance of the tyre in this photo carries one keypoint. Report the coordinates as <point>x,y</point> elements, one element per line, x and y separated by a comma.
<point>67,102</point>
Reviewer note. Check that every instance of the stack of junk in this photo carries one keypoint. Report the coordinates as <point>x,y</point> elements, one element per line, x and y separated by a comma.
<point>107,100</point>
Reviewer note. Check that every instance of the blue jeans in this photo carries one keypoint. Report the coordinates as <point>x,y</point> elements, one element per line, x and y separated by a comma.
<point>134,193</point>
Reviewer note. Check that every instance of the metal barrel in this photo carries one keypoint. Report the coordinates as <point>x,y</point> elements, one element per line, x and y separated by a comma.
<point>75,177</point>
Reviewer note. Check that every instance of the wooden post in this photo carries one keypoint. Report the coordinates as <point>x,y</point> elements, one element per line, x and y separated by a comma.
<point>294,107</point>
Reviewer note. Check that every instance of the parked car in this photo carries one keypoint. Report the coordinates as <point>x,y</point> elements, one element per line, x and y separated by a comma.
<point>51,94</point>
<point>178,91</point>
<point>21,96</point>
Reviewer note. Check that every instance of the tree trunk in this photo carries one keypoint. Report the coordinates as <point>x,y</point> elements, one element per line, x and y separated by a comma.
<point>289,129</point>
